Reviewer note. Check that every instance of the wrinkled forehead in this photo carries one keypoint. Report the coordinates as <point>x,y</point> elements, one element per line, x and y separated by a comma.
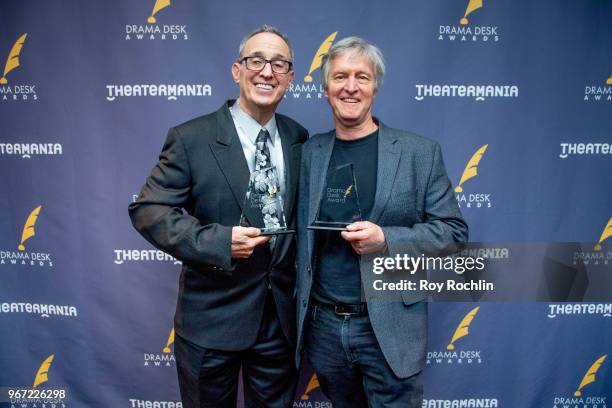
<point>352,59</point>
<point>267,45</point>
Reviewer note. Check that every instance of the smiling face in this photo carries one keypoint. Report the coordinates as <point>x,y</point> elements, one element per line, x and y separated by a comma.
<point>351,89</point>
<point>261,91</point>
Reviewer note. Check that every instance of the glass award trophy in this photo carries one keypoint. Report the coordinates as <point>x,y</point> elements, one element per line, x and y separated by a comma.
<point>339,204</point>
<point>263,204</point>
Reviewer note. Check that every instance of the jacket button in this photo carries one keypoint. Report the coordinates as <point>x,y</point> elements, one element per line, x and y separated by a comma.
<point>304,302</point>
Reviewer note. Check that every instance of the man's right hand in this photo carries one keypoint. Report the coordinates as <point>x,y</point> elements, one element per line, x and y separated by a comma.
<point>244,241</point>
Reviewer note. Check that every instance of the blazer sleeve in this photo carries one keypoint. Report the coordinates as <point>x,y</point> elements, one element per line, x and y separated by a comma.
<point>443,229</point>
<point>158,213</point>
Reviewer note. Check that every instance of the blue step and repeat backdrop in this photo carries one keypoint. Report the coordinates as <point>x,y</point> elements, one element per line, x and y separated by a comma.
<point>522,89</point>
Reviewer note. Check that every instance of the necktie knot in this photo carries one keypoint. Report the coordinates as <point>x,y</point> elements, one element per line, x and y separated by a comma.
<point>262,136</point>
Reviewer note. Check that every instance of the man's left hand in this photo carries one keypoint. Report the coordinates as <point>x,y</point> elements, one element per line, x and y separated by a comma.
<point>365,237</point>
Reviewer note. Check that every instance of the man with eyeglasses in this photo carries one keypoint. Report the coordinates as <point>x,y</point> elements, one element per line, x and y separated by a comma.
<point>235,308</point>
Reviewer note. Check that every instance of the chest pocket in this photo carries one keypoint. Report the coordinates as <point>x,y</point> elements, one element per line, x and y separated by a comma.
<point>401,209</point>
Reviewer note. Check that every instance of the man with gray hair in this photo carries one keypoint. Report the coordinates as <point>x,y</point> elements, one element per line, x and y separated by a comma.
<point>366,352</point>
<point>235,307</point>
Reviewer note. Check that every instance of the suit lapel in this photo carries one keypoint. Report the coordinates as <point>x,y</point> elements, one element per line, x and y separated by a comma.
<point>319,162</point>
<point>388,161</point>
<point>230,156</point>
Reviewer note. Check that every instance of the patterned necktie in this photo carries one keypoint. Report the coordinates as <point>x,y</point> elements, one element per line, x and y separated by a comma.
<point>262,153</point>
<point>262,161</point>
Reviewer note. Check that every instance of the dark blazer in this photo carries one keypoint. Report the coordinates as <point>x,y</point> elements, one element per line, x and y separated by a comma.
<point>415,206</point>
<point>202,170</point>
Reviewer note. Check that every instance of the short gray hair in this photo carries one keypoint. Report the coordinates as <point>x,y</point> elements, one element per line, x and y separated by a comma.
<point>264,29</point>
<point>358,46</point>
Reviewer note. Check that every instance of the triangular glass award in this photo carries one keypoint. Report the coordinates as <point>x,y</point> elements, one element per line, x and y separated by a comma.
<point>263,204</point>
<point>339,206</point>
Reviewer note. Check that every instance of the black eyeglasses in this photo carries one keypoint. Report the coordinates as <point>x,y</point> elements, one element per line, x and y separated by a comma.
<point>258,63</point>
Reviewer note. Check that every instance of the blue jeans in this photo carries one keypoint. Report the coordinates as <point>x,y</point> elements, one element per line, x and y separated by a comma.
<point>350,366</point>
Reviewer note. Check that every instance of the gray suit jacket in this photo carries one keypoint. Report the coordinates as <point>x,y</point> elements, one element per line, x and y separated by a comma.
<point>202,170</point>
<point>417,211</point>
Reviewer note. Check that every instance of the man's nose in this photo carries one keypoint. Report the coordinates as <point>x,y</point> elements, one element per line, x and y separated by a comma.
<point>266,71</point>
<point>351,84</point>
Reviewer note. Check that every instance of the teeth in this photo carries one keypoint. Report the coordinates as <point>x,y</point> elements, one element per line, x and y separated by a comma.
<point>349,100</point>
<point>264,86</point>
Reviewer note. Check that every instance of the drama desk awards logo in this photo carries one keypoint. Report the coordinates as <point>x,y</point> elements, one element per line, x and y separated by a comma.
<point>35,396</point>
<point>163,359</point>
<point>23,257</point>
<point>599,255</point>
<point>154,31</point>
<point>600,92</point>
<point>473,199</point>
<point>309,88</point>
<point>452,355</point>
<point>581,397</point>
<point>10,91</point>
<point>467,32</point>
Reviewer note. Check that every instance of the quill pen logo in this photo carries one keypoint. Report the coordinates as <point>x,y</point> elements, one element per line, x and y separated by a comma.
<point>17,92</point>
<point>12,61</point>
<point>463,329</point>
<point>312,384</point>
<point>453,356</point>
<point>169,342</point>
<point>473,200</point>
<point>165,358</point>
<point>28,228</point>
<point>465,32</point>
<point>589,377</point>
<point>348,191</point>
<point>21,256</point>
<point>41,374</point>
<point>472,5</point>
<point>317,59</point>
<point>159,4</point>
<point>471,169</point>
<point>607,233</point>
<point>153,31</point>
<point>309,89</point>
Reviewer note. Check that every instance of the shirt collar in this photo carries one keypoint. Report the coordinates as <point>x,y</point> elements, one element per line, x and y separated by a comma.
<point>250,126</point>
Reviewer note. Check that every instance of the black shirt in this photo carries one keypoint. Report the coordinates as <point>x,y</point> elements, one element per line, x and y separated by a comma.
<point>337,279</point>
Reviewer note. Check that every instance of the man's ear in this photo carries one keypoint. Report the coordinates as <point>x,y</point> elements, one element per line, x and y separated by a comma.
<point>236,72</point>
